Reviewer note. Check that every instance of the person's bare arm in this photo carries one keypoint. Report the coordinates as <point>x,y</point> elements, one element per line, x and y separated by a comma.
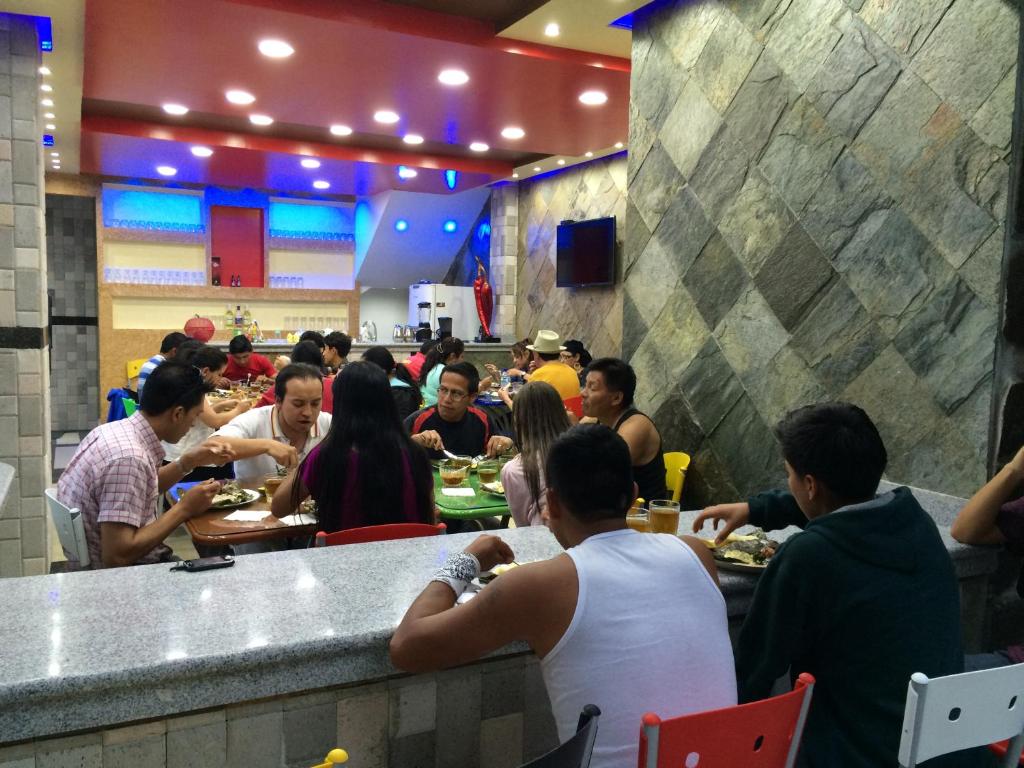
<point>122,544</point>
<point>246,448</point>
<point>216,418</point>
<point>703,554</point>
<point>281,503</point>
<point>639,435</point>
<point>217,454</point>
<point>976,523</point>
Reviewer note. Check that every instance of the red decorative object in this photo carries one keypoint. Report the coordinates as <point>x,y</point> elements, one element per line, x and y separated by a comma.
<point>484,299</point>
<point>199,328</point>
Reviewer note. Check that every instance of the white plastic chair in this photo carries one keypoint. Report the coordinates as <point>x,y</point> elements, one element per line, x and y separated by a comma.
<point>957,712</point>
<point>70,529</point>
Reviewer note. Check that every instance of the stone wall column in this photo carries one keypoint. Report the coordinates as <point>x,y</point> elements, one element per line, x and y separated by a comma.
<point>504,239</point>
<point>24,345</point>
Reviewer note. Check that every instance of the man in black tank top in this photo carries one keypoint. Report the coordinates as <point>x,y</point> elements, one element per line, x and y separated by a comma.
<point>608,398</point>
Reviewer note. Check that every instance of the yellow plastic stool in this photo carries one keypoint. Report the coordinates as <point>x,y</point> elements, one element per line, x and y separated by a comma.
<point>334,757</point>
<point>132,367</point>
<point>676,464</point>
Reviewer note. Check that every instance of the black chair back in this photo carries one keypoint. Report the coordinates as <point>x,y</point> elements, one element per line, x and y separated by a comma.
<point>575,753</point>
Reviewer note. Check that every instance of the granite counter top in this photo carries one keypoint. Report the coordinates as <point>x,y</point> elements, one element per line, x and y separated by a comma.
<point>83,650</point>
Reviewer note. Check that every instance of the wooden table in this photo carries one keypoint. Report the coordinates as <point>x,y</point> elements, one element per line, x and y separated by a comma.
<point>480,504</point>
<point>210,529</point>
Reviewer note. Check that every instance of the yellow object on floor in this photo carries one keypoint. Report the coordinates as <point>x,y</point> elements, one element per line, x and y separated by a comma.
<point>676,464</point>
<point>334,757</point>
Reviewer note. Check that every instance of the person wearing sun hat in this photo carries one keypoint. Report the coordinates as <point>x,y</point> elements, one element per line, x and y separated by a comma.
<point>546,349</point>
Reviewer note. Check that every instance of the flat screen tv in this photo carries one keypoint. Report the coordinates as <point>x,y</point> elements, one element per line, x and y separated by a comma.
<point>585,253</point>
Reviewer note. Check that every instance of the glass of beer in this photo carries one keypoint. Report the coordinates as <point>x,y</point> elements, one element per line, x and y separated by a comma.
<point>453,473</point>
<point>487,471</point>
<point>664,516</point>
<point>637,520</point>
<point>271,484</point>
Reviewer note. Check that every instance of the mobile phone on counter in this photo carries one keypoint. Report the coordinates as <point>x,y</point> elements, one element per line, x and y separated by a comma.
<point>205,563</point>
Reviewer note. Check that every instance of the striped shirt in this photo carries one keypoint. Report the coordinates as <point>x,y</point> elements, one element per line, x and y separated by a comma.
<point>147,368</point>
<point>112,478</point>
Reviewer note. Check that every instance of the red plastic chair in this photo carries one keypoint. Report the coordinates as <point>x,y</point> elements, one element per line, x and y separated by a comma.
<point>763,734</point>
<point>379,533</point>
<point>574,404</point>
<point>999,749</point>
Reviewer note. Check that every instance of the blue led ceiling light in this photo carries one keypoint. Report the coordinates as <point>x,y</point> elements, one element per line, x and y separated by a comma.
<point>45,30</point>
<point>450,226</point>
<point>47,140</point>
<point>483,231</point>
<point>401,225</point>
<point>451,178</point>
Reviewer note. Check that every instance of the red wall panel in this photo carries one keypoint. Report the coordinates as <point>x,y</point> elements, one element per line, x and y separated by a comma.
<point>236,237</point>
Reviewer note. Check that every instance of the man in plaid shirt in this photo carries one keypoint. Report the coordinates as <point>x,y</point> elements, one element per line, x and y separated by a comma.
<point>116,477</point>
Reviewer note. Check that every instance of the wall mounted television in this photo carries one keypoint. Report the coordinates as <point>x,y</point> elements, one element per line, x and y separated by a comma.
<point>585,253</point>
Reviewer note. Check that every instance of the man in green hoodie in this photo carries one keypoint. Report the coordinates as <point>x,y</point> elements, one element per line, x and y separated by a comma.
<point>865,596</point>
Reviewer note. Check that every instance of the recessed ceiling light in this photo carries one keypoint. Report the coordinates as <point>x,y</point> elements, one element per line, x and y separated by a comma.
<point>321,184</point>
<point>202,151</point>
<point>536,169</point>
<point>618,145</point>
<point>513,132</point>
<point>46,88</point>
<point>386,116</point>
<point>589,154</point>
<point>49,116</point>
<point>479,146</point>
<point>412,138</point>
<point>276,49</point>
<point>593,98</point>
<point>310,162</point>
<point>261,119</point>
<point>44,71</point>
<point>552,30</point>
<point>515,175</point>
<point>406,173</point>
<point>236,96</point>
<point>175,109</point>
<point>453,77</point>
<point>401,225</point>
<point>55,154</point>
<point>166,170</point>
<point>450,226</point>
<point>47,102</point>
<point>51,126</point>
<point>341,130</point>
<point>561,162</point>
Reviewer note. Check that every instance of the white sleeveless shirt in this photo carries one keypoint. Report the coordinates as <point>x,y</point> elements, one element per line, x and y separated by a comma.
<point>649,634</point>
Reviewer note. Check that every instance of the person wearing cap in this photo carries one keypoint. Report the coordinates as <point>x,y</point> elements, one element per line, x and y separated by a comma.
<point>578,358</point>
<point>546,349</point>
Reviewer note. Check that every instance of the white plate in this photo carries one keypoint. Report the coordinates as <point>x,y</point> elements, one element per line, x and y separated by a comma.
<point>252,496</point>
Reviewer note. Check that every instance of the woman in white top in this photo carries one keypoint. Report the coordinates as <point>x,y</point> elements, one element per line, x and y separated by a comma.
<point>211,362</point>
<point>538,418</point>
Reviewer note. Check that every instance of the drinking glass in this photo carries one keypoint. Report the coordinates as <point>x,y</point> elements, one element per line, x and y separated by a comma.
<point>487,471</point>
<point>638,520</point>
<point>664,516</point>
<point>453,473</point>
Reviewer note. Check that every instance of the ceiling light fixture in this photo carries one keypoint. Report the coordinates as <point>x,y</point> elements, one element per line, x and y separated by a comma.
<point>310,162</point>
<point>46,88</point>
<point>47,102</point>
<point>453,77</point>
<point>513,132</point>
<point>261,119</point>
<point>412,138</point>
<point>55,154</point>
<point>515,175</point>
<point>589,154</point>
<point>386,116</point>
<point>51,127</point>
<point>407,173</point>
<point>479,146</point>
<point>202,151</point>
<point>50,116</point>
<point>44,71</point>
<point>536,169</point>
<point>401,225</point>
<point>175,109</point>
<point>340,130</point>
<point>236,96</point>
<point>450,226</point>
<point>561,162</point>
<point>552,30</point>
<point>321,184</point>
<point>593,98</point>
<point>166,170</point>
<point>275,49</point>
<point>618,145</point>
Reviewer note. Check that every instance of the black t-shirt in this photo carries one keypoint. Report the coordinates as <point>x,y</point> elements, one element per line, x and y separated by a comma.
<point>465,438</point>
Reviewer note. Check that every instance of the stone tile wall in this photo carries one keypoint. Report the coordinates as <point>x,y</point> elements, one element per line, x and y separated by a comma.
<point>490,715</point>
<point>71,264</point>
<point>817,198</point>
<point>504,260</point>
<point>24,354</point>
<point>592,315</point>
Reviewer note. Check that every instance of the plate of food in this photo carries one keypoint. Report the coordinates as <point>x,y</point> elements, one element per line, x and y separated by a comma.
<point>231,496</point>
<point>488,576</point>
<point>744,553</point>
<point>495,488</point>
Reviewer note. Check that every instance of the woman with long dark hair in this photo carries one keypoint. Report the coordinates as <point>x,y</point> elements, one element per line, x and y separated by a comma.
<point>367,471</point>
<point>538,418</point>
<point>404,389</point>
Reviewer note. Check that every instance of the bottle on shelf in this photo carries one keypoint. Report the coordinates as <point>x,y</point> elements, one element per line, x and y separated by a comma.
<point>239,318</point>
<point>247,316</point>
<point>229,317</point>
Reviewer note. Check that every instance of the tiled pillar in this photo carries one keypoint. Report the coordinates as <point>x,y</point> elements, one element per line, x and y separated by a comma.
<point>24,346</point>
<point>504,237</point>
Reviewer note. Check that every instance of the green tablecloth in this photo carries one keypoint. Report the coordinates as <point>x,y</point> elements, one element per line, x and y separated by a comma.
<point>480,504</point>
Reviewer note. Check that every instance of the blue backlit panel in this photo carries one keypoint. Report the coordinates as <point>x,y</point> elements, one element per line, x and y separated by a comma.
<point>311,222</point>
<point>45,28</point>
<point>150,209</point>
<point>626,22</point>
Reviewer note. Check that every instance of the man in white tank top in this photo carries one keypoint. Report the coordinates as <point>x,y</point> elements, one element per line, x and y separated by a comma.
<point>631,622</point>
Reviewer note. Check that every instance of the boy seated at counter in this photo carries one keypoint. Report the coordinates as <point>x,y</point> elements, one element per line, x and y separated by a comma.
<point>454,424</point>
<point>265,439</point>
<point>168,349</point>
<point>628,621</point>
<point>337,345</point>
<point>246,365</point>
<point>115,477</point>
<point>864,597</point>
